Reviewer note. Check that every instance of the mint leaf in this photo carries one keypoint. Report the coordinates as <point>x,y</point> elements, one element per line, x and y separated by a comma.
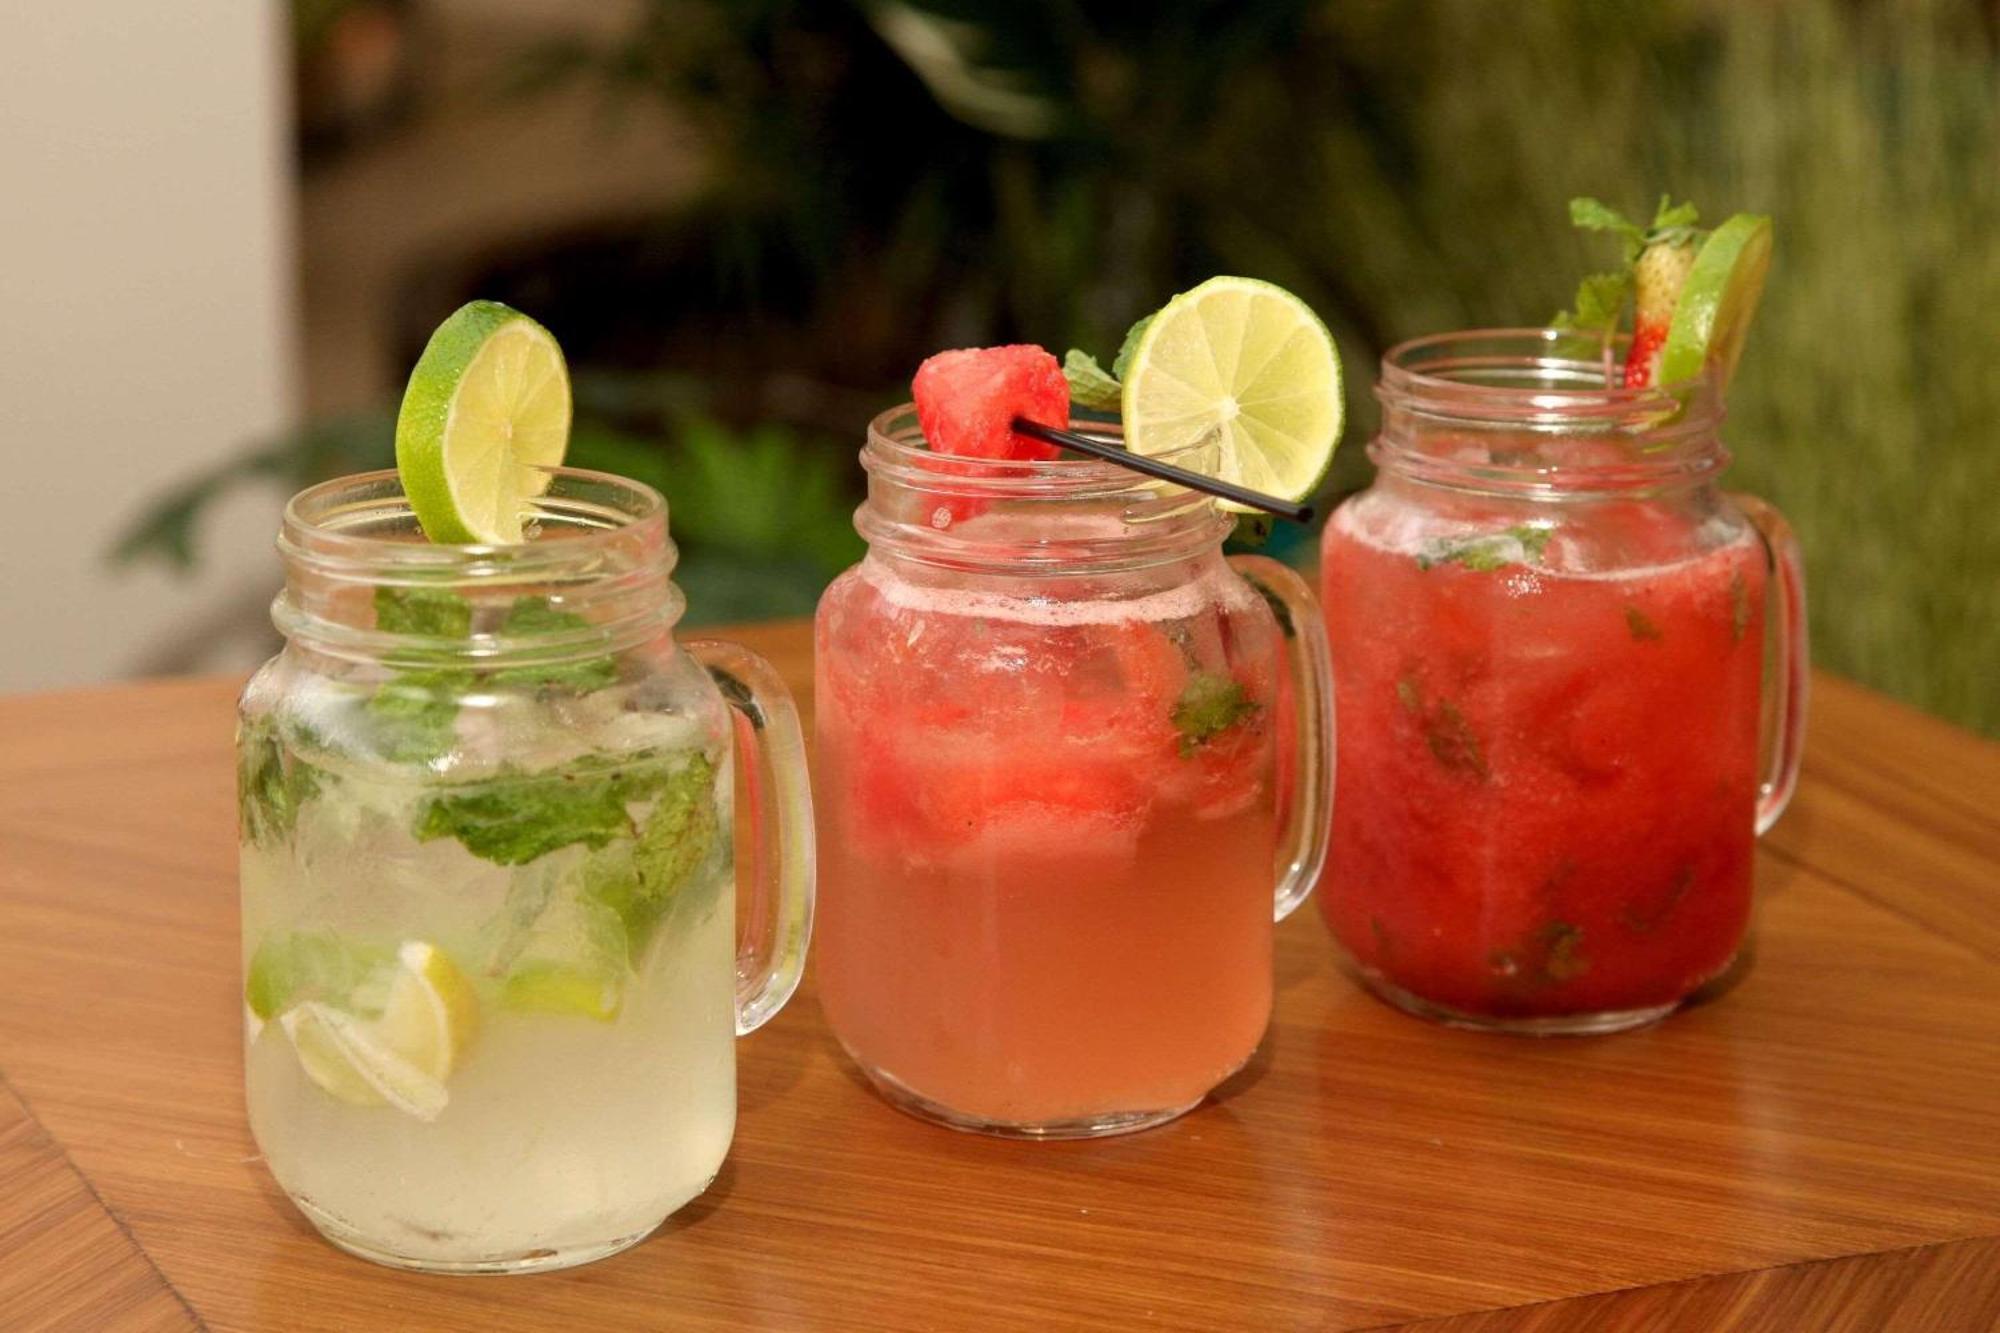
<point>659,874</point>
<point>1523,543</point>
<point>534,615</point>
<point>272,784</point>
<point>1446,733</point>
<point>1600,303</point>
<point>415,714</point>
<point>290,969</point>
<point>1591,215</point>
<point>1122,363</point>
<point>515,819</point>
<point>1090,385</point>
<point>1550,956</point>
<point>437,613</point>
<point>1670,216</point>
<point>1645,921</point>
<point>1210,704</point>
<point>1641,625</point>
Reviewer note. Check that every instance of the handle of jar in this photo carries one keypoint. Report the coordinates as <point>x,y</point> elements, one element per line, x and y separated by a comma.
<point>1305,759</point>
<point>1786,660</point>
<point>775,850</point>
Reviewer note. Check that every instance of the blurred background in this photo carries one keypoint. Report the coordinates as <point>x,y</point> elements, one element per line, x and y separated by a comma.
<point>229,228</point>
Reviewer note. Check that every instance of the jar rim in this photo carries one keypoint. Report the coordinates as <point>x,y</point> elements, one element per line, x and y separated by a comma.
<point>596,510</point>
<point>896,443</point>
<point>1522,391</point>
<point>1158,521</point>
<point>1536,377</point>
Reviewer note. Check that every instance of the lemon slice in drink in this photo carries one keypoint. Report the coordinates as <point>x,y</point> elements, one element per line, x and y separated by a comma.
<point>1712,314</point>
<point>1245,365</point>
<point>401,1058</point>
<point>487,408</point>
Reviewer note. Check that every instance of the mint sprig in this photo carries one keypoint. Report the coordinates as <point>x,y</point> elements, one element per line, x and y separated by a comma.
<point>1524,543</point>
<point>1210,704</point>
<point>1601,297</point>
<point>1090,385</point>
<point>416,710</point>
<point>517,818</point>
<point>272,783</point>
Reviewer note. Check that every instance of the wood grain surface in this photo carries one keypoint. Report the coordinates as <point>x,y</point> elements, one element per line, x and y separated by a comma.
<point>1816,1148</point>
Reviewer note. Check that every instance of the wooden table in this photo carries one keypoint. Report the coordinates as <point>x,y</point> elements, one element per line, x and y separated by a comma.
<point>1818,1149</point>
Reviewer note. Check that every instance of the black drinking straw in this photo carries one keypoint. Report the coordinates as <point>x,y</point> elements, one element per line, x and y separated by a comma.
<point>1180,476</point>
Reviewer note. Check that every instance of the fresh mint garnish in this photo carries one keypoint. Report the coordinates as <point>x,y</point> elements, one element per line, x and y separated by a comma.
<point>646,880</point>
<point>1521,544</point>
<point>534,615</point>
<point>1090,385</point>
<point>1600,302</point>
<point>416,711</point>
<point>1446,733</point>
<point>513,819</point>
<point>1641,625</point>
<point>415,714</point>
<point>1210,704</point>
<point>1550,956</point>
<point>289,969</point>
<point>1600,298</point>
<point>437,613</point>
<point>272,784</point>
<point>1129,348</point>
<point>1645,922</point>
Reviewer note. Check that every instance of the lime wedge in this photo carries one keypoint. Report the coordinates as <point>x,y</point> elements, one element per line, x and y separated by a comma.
<point>486,410</point>
<point>542,987</point>
<point>1712,315</point>
<point>1247,366</point>
<point>403,1057</point>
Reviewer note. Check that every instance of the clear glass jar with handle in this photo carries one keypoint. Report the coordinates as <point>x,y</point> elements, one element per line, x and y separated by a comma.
<point>1554,637</point>
<point>493,977</point>
<point>1065,749</point>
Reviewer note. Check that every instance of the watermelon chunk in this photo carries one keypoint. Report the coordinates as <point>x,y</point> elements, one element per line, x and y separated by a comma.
<point>967,401</point>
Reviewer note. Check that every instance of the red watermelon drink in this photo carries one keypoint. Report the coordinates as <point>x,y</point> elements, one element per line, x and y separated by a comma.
<point>1548,631</point>
<point>1055,751</point>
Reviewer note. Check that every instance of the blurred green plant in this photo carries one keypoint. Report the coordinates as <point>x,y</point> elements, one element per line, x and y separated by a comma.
<point>917,173</point>
<point>760,517</point>
<point>885,177</point>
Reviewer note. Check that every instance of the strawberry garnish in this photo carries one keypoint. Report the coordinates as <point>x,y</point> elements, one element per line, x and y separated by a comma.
<point>1657,260</point>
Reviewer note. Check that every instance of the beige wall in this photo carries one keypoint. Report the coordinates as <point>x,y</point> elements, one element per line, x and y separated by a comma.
<point>146,319</point>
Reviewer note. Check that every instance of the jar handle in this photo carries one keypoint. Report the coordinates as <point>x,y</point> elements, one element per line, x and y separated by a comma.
<point>778,818</point>
<point>1306,757</point>
<point>1786,660</point>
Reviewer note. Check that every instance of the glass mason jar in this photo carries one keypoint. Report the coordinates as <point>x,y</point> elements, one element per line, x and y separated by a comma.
<point>1064,750</point>
<point>492,971</point>
<point>1549,635</point>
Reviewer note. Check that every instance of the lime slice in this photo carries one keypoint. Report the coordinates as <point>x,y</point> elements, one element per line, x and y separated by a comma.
<point>1712,315</point>
<point>403,1057</point>
<point>342,1055</point>
<point>558,988</point>
<point>486,410</point>
<point>1249,367</point>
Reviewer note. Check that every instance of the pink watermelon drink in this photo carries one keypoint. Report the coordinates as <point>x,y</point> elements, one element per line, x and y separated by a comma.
<point>1050,837</point>
<point>1047,775</point>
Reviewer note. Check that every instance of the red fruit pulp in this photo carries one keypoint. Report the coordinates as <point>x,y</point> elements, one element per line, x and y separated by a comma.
<point>967,401</point>
<point>1546,779</point>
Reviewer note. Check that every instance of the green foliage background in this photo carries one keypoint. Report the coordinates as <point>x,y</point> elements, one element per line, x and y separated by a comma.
<point>893,176</point>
